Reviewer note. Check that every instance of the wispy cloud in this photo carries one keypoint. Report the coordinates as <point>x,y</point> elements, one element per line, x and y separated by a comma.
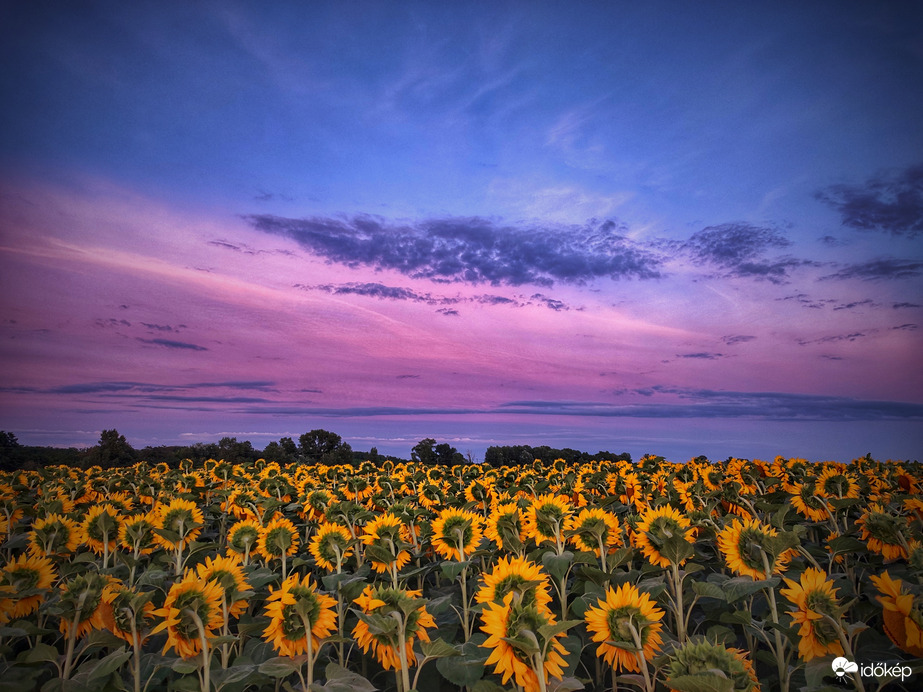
<point>167,343</point>
<point>874,270</point>
<point>732,340</point>
<point>471,250</point>
<point>890,203</point>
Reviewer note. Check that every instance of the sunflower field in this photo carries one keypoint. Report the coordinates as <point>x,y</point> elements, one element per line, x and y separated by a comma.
<point>607,575</point>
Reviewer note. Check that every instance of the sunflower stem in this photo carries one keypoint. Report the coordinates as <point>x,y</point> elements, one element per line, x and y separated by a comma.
<point>206,654</point>
<point>639,654</point>
<point>678,603</point>
<point>784,680</point>
<point>136,653</point>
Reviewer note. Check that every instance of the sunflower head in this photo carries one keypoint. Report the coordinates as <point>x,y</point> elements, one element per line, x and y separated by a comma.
<point>295,609</point>
<point>21,584</point>
<point>390,618</point>
<point>101,528</point>
<point>518,576</point>
<point>180,523</point>
<point>456,533</point>
<point>518,635</point>
<point>884,532</point>
<point>191,603</point>
<point>902,614</point>
<point>594,530</point>
<point>244,536</point>
<point>750,549</point>
<point>132,612</point>
<point>816,613</point>
<point>228,572</point>
<point>279,537</point>
<point>626,622</point>
<point>331,545</point>
<point>707,661</point>
<point>505,527</point>
<point>82,603</point>
<point>546,517</point>
<point>55,535</point>
<point>664,536</point>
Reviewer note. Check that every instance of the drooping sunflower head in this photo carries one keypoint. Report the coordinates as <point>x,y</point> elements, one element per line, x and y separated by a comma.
<point>385,538</point>
<point>627,617</point>
<point>807,503</point>
<point>658,531</point>
<point>381,601</point>
<point>748,551</point>
<point>546,516</point>
<point>101,528</point>
<point>279,537</point>
<point>137,533</point>
<point>191,603</point>
<point>82,603</point>
<point>594,530</point>
<point>55,535</point>
<point>295,609</point>
<point>505,527</point>
<point>131,612</point>
<point>456,533</point>
<point>244,536</point>
<point>884,532</point>
<point>22,576</point>
<point>835,482</point>
<point>708,661</point>
<point>816,605</point>
<point>331,545</point>
<point>515,639</point>
<point>517,576</point>
<point>228,572</point>
<point>183,520</point>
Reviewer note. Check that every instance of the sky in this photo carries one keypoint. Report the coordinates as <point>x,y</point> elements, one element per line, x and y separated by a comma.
<point>670,228</point>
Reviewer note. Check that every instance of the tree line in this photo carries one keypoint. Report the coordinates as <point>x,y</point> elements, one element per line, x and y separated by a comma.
<point>315,446</point>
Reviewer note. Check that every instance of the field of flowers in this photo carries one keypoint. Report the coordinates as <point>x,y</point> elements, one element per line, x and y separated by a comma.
<point>696,577</point>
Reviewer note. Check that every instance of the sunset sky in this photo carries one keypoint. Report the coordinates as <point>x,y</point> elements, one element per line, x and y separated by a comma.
<point>658,227</point>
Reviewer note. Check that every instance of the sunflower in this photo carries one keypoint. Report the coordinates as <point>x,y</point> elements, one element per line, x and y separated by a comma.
<point>82,605</point>
<point>655,528</point>
<point>136,534</point>
<point>182,520</point>
<point>902,613</point>
<point>745,545</point>
<point>190,602</point>
<point>704,659</point>
<point>807,503</point>
<point>278,538</point>
<point>884,532</point>
<point>385,538</point>
<point>478,492</point>
<point>834,482</point>
<point>242,505</point>
<point>626,617</point>
<point>25,575</point>
<point>101,528</point>
<point>518,647</point>
<point>634,492</point>
<point>815,601</point>
<point>229,574</point>
<point>382,601</point>
<point>316,503</point>
<point>330,546</point>
<point>132,613</point>
<point>456,533</point>
<point>545,519</point>
<point>54,535</point>
<point>504,527</point>
<point>594,531</point>
<point>519,576</point>
<point>244,537</point>
<point>294,609</point>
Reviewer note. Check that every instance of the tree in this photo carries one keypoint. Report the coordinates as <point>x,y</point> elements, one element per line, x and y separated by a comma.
<point>111,450</point>
<point>424,451</point>
<point>447,455</point>
<point>8,440</point>
<point>323,446</point>
<point>234,452</point>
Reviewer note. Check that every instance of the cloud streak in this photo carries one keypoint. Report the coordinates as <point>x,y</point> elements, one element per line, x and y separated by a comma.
<point>471,250</point>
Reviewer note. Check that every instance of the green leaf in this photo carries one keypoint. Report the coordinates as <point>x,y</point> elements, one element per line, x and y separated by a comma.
<point>108,665</point>
<point>708,590</point>
<point>452,568</point>
<point>279,667</point>
<point>466,669</point>
<point>548,631</point>
<point>438,648</point>
<point>558,565</point>
<point>847,544</point>
<point>41,653</point>
<point>232,674</point>
<point>565,685</point>
<point>183,667</point>
<point>339,679</point>
<point>703,682</point>
<point>677,549</point>
<point>737,617</point>
<point>741,587</point>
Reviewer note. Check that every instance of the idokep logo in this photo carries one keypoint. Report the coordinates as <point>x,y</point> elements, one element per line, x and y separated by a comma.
<point>841,666</point>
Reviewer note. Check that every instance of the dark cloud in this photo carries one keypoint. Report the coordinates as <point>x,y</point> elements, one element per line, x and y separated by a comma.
<point>906,327</point>
<point>890,203</point>
<point>449,312</point>
<point>701,355</point>
<point>896,306</point>
<point>737,339</point>
<point>829,357</point>
<point>146,387</point>
<point>739,249</point>
<point>471,250</point>
<point>832,241</point>
<point>173,344</point>
<point>381,291</point>
<point>408,377</point>
<point>855,304</point>
<point>886,268</point>
<point>806,301</point>
<point>163,327</point>
<point>112,322</point>
<point>852,336</point>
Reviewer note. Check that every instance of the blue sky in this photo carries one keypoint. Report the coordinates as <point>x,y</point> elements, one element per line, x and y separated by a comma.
<point>661,227</point>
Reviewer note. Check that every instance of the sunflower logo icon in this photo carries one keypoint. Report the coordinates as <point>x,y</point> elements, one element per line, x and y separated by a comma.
<point>841,666</point>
